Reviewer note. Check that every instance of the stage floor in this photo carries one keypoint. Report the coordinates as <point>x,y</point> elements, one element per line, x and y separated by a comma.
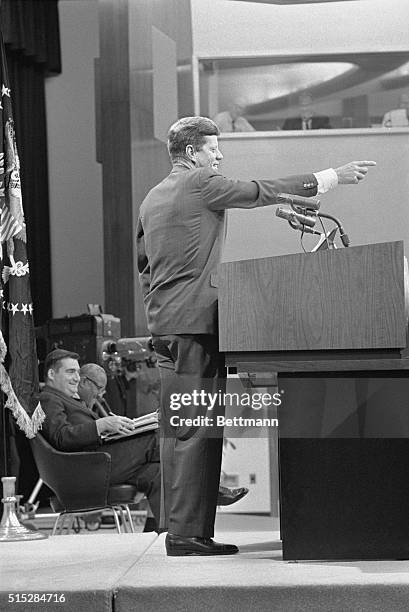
<point>103,571</point>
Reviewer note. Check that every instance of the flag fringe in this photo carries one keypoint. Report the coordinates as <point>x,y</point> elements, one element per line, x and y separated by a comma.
<point>29,426</point>
<point>3,348</point>
<point>37,418</point>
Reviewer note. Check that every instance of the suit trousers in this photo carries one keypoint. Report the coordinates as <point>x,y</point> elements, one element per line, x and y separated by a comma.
<point>136,460</point>
<point>190,367</point>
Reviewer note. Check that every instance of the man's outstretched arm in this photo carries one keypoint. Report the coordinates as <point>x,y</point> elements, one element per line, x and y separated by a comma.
<point>222,193</point>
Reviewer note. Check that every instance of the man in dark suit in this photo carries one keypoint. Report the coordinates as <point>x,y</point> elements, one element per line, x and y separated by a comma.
<point>70,425</point>
<point>179,237</point>
<point>307,119</point>
<point>314,122</point>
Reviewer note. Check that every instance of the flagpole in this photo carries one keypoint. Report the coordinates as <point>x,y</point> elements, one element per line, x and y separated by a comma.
<point>4,431</point>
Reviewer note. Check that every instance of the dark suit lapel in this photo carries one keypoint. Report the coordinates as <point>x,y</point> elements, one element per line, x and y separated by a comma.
<point>70,401</point>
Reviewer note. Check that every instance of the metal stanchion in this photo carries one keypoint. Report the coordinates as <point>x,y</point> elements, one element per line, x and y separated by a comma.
<point>10,528</point>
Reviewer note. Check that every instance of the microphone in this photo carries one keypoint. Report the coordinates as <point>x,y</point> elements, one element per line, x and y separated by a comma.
<point>295,217</point>
<point>303,228</point>
<point>345,239</point>
<point>302,202</point>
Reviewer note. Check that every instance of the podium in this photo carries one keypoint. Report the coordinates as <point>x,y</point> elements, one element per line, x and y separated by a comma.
<point>333,326</point>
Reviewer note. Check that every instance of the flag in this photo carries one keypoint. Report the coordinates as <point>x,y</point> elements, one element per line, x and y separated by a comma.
<point>18,357</point>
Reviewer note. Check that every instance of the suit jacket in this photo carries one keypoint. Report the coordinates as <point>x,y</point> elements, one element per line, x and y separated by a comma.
<point>179,237</point>
<point>69,425</point>
<point>318,122</point>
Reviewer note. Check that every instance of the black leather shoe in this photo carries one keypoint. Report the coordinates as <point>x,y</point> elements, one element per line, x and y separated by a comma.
<point>178,546</point>
<point>230,496</point>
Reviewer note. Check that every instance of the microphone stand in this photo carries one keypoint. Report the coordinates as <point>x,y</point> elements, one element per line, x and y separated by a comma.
<point>344,237</point>
<point>326,241</point>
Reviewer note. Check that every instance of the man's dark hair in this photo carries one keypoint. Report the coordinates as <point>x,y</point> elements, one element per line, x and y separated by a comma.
<point>189,131</point>
<point>54,358</point>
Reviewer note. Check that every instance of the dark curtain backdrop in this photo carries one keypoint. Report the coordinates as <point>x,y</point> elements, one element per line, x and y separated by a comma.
<point>31,35</point>
<point>30,31</point>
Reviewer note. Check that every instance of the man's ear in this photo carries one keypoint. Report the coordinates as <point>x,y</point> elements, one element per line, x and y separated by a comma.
<point>190,152</point>
<point>50,373</point>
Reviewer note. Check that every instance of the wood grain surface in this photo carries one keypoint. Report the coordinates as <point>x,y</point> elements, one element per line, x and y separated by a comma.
<point>340,299</point>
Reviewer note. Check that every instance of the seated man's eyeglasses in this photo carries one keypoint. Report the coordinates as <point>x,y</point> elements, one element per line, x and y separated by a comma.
<point>99,388</point>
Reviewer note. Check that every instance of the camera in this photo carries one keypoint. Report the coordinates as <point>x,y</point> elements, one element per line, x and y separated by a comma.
<point>127,355</point>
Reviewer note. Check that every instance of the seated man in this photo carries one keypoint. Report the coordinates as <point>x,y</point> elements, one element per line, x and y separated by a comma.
<point>307,119</point>
<point>91,390</point>
<point>92,387</point>
<point>232,120</point>
<point>70,425</point>
<point>398,117</point>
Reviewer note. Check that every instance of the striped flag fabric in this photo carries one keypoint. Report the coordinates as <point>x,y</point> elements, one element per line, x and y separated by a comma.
<point>18,356</point>
<point>9,226</point>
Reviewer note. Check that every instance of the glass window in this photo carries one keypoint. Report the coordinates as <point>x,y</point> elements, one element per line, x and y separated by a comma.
<point>306,92</point>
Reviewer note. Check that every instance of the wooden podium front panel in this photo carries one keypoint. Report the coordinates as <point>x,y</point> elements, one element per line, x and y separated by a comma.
<point>337,299</point>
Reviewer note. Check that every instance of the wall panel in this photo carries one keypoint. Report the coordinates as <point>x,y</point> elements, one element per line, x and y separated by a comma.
<point>74,175</point>
<point>133,159</point>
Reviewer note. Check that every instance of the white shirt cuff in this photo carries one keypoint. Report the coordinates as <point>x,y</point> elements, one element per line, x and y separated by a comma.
<point>327,179</point>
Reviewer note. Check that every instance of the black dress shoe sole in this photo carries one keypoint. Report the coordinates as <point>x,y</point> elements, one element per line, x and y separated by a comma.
<point>183,552</point>
<point>225,500</point>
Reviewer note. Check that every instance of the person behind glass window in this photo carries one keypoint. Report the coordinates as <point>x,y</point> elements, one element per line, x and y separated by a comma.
<point>232,120</point>
<point>306,120</point>
<point>399,117</point>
